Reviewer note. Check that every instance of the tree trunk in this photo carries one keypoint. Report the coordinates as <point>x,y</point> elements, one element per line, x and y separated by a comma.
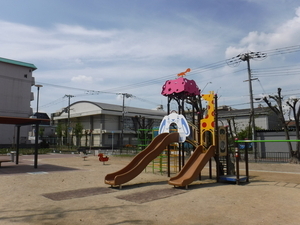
<point>295,155</point>
<point>279,112</point>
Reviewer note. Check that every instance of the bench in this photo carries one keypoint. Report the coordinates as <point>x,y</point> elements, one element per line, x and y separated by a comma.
<point>103,158</point>
<point>4,160</point>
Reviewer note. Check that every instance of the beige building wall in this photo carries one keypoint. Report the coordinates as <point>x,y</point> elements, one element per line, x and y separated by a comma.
<point>16,81</point>
<point>105,122</point>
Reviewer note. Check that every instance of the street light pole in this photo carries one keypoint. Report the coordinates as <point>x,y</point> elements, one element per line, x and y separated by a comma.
<point>205,86</point>
<point>69,121</point>
<point>37,126</point>
<point>38,97</point>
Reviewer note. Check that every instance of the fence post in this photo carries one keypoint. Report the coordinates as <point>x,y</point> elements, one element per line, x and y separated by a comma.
<point>237,156</point>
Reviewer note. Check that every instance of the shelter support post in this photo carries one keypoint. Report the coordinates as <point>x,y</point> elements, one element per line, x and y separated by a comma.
<point>18,144</point>
<point>246,161</point>
<point>36,146</point>
<point>237,160</point>
<point>169,166</point>
<point>210,168</point>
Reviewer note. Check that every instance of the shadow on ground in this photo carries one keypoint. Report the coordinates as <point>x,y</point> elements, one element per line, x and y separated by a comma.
<point>43,168</point>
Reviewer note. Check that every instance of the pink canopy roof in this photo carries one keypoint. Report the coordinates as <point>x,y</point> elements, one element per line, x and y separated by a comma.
<point>180,85</point>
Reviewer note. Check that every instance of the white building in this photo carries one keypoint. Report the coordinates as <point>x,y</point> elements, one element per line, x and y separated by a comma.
<point>15,97</point>
<point>265,118</point>
<point>103,123</point>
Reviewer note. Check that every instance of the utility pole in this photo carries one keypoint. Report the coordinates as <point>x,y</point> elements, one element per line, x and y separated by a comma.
<point>235,61</point>
<point>252,115</point>
<point>69,121</point>
<point>124,95</point>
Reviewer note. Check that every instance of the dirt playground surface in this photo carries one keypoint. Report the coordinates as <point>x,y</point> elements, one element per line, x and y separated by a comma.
<point>66,189</point>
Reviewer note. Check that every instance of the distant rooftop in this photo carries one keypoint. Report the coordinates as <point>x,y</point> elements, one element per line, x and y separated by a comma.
<point>224,111</point>
<point>10,61</point>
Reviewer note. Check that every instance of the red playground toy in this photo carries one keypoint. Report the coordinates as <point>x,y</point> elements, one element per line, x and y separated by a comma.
<point>103,158</point>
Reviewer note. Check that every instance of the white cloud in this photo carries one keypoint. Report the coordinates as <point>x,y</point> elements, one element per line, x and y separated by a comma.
<point>64,42</point>
<point>286,34</point>
<point>138,57</point>
<point>84,32</point>
<point>82,79</point>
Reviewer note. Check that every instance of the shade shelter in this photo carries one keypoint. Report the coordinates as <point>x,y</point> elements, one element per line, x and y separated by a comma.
<point>18,122</point>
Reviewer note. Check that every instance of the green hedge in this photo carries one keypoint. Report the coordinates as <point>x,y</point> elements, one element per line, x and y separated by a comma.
<point>25,151</point>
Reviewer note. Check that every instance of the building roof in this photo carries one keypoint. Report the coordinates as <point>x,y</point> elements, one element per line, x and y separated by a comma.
<point>44,116</point>
<point>107,108</point>
<point>128,109</point>
<point>243,112</point>
<point>10,61</point>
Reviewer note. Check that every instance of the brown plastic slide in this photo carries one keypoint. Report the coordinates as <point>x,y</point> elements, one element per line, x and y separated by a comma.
<point>141,160</point>
<point>193,167</point>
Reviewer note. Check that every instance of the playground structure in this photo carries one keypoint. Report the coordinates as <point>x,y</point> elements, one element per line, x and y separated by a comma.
<point>160,163</point>
<point>103,158</point>
<point>201,131</point>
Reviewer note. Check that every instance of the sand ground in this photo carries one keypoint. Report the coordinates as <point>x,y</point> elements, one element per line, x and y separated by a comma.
<point>65,189</point>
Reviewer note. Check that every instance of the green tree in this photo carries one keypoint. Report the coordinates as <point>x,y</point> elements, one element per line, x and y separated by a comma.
<point>246,133</point>
<point>78,131</point>
<point>41,132</point>
<point>61,132</point>
<point>143,128</point>
<point>87,133</point>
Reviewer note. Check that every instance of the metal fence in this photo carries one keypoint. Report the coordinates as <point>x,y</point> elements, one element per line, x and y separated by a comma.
<point>276,156</point>
<point>113,152</point>
<point>265,156</point>
<point>279,157</point>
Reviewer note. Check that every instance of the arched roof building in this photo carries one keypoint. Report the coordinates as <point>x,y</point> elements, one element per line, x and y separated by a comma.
<point>108,123</point>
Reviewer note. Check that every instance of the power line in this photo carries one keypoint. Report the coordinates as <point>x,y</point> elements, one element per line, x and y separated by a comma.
<point>73,88</point>
<point>277,71</point>
<point>209,67</point>
<point>284,50</point>
<point>57,101</point>
<point>261,86</point>
<point>195,71</point>
<point>90,92</point>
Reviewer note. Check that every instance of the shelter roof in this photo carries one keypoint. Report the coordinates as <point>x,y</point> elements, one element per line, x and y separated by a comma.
<point>20,120</point>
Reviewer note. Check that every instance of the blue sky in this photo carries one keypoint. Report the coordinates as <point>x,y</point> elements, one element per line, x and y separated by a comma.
<point>133,47</point>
